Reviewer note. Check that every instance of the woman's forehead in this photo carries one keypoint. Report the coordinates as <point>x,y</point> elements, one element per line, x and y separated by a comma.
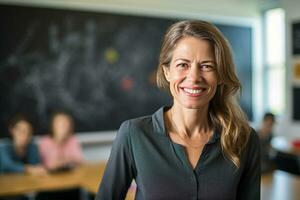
<point>59,117</point>
<point>23,123</point>
<point>191,47</point>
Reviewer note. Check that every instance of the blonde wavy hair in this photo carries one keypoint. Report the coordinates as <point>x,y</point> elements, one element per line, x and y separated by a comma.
<point>224,111</point>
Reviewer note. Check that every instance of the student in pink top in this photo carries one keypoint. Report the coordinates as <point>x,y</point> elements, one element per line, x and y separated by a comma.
<point>60,150</point>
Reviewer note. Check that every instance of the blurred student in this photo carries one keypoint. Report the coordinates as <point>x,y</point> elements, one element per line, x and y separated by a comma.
<point>60,149</point>
<point>265,133</point>
<point>20,154</point>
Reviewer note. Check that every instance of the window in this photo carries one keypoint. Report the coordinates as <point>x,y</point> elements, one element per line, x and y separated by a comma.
<point>275,61</point>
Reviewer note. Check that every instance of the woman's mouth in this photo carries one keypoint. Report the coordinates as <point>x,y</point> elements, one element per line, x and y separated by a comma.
<point>193,92</point>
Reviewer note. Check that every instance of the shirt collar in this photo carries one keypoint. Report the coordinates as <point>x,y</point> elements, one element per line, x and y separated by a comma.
<point>158,121</point>
<point>159,124</point>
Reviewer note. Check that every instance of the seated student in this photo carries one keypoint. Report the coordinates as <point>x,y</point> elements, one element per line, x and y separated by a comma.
<point>19,154</point>
<point>60,149</point>
<point>265,133</point>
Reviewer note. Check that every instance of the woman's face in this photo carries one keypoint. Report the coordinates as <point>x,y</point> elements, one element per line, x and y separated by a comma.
<point>192,73</point>
<point>21,133</point>
<point>62,127</point>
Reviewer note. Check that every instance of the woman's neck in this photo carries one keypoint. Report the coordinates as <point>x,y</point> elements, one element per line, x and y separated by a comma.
<point>60,141</point>
<point>190,122</point>
<point>20,150</point>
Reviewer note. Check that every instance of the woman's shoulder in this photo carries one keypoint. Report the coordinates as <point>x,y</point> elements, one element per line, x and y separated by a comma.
<point>253,145</point>
<point>143,126</point>
<point>139,124</point>
<point>145,123</point>
<point>6,144</point>
<point>253,138</point>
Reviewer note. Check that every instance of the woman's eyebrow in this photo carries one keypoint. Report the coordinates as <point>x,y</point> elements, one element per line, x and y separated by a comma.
<point>183,59</point>
<point>208,61</point>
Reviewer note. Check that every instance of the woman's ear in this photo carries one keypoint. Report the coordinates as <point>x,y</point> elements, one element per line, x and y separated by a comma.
<point>166,72</point>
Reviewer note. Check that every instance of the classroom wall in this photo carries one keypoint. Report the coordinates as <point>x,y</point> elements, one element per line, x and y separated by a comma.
<point>212,8</point>
<point>229,12</point>
<point>287,126</point>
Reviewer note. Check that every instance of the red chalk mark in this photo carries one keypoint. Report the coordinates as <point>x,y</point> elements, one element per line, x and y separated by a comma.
<point>127,83</point>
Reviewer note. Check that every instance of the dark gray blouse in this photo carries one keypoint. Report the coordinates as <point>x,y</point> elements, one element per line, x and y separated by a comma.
<point>142,151</point>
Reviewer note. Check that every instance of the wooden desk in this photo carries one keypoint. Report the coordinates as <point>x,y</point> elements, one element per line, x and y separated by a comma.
<point>91,175</point>
<point>275,186</point>
<point>16,184</point>
<point>87,177</point>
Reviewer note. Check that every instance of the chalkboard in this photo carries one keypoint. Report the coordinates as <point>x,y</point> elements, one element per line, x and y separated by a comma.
<point>100,67</point>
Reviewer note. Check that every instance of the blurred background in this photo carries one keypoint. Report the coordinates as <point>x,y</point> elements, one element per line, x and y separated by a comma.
<point>97,59</point>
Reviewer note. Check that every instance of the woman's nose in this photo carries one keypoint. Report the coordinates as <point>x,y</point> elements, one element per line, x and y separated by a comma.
<point>195,73</point>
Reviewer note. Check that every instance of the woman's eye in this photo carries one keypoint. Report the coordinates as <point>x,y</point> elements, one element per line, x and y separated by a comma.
<point>182,65</point>
<point>206,67</point>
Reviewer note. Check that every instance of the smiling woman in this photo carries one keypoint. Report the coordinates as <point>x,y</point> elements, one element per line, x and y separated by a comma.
<point>201,147</point>
<point>191,75</point>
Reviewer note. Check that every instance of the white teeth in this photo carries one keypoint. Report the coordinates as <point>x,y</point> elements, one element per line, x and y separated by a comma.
<point>191,91</point>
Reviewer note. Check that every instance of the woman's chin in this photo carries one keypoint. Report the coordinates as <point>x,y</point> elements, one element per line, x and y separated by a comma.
<point>194,105</point>
<point>191,102</point>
